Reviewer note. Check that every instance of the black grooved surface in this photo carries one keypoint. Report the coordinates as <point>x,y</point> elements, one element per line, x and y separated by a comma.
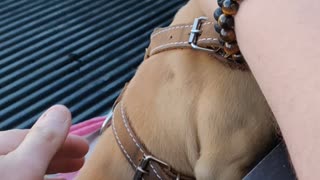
<point>73,52</point>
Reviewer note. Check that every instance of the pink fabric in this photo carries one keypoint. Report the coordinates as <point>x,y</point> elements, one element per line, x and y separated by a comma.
<point>83,129</point>
<point>87,127</point>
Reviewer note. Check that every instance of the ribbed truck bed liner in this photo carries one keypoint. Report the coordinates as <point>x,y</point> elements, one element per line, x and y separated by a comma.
<point>73,52</point>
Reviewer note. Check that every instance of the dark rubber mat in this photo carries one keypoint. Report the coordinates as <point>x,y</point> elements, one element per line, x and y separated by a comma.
<point>73,52</point>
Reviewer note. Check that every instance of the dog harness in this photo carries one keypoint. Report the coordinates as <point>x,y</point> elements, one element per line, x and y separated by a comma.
<point>199,36</point>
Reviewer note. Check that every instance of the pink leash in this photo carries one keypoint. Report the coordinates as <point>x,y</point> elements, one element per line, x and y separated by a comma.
<point>85,128</point>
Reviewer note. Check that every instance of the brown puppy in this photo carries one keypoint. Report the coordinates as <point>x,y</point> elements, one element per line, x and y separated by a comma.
<point>190,110</point>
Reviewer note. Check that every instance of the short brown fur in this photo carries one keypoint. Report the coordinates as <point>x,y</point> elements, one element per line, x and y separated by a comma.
<point>203,118</point>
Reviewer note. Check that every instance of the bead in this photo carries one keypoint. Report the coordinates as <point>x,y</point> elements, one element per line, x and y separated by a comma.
<point>230,7</point>
<point>227,35</point>
<point>231,48</point>
<point>226,21</point>
<point>237,57</point>
<point>217,13</point>
<point>220,2</point>
<point>217,28</point>
<point>221,41</point>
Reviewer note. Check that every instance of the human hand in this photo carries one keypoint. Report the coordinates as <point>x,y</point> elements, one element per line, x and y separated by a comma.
<point>44,149</point>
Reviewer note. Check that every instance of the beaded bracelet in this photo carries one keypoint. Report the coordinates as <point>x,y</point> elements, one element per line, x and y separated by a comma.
<point>224,16</point>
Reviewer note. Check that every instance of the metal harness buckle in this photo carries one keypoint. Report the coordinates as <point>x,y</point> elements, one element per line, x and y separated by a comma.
<point>105,122</point>
<point>195,32</point>
<point>145,162</point>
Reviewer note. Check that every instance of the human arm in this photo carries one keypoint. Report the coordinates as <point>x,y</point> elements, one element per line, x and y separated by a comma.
<point>279,41</point>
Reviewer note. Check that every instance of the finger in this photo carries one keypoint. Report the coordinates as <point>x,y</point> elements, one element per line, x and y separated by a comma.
<point>47,178</point>
<point>65,165</point>
<point>44,139</point>
<point>74,147</point>
<point>10,140</point>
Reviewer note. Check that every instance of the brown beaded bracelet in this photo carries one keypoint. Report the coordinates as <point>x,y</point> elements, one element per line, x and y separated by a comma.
<point>224,16</point>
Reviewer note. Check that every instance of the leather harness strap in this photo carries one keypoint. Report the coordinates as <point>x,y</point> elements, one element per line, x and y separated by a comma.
<point>199,36</point>
<point>146,166</point>
<point>181,36</point>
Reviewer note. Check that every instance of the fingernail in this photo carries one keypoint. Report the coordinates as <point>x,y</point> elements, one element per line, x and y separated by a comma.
<point>56,114</point>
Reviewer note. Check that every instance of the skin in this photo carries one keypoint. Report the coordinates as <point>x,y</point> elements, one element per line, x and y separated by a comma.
<point>279,41</point>
<point>44,149</point>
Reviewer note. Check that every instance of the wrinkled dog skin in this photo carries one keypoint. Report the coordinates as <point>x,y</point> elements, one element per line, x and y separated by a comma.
<point>192,111</point>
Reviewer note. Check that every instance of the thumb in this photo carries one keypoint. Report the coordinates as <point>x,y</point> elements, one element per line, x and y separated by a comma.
<point>44,140</point>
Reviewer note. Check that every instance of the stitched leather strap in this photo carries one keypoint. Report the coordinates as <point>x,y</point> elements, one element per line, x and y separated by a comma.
<point>175,37</point>
<point>136,153</point>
